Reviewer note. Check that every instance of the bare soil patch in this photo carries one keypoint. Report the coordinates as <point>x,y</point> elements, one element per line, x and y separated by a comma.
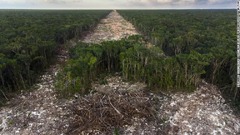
<point>113,27</point>
<point>202,112</point>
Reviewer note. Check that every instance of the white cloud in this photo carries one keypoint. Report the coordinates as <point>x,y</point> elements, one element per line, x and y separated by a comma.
<point>39,1</point>
<point>62,1</point>
<point>218,1</point>
<point>164,1</point>
<point>12,1</point>
<point>187,1</point>
<point>151,1</point>
<point>213,1</point>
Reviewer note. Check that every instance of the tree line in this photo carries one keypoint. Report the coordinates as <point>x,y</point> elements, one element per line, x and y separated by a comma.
<point>29,40</point>
<point>179,33</point>
<point>135,62</point>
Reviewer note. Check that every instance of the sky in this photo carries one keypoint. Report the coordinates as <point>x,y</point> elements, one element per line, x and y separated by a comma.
<point>118,4</point>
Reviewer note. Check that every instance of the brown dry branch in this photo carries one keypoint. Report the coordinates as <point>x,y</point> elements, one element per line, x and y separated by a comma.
<point>105,112</point>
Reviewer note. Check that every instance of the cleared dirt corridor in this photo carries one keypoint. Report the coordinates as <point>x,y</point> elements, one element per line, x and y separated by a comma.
<point>113,27</point>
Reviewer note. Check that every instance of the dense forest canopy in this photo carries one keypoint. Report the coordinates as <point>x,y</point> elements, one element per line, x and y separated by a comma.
<point>30,38</point>
<point>135,61</point>
<point>207,32</point>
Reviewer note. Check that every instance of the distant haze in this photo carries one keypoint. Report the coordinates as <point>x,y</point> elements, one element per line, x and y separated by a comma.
<point>118,4</point>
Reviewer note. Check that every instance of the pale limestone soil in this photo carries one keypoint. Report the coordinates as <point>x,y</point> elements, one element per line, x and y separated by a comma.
<point>113,27</point>
<point>201,112</point>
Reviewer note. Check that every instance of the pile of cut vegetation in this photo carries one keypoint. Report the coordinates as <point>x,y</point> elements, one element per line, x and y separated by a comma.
<point>115,107</point>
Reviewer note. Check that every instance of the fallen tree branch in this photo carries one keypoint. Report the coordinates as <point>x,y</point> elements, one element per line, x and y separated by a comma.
<point>113,106</point>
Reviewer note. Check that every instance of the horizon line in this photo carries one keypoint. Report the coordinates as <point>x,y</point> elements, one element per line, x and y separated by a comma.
<point>113,8</point>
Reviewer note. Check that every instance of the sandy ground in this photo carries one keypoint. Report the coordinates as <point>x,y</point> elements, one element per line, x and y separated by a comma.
<point>40,112</point>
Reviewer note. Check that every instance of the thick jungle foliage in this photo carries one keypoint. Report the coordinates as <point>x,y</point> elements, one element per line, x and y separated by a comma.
<point>30,38</point>
<point>211,32</point>
<point>135,61</point>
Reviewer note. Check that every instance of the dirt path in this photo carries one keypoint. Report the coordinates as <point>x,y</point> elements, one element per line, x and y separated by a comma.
<point>113,27</point>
